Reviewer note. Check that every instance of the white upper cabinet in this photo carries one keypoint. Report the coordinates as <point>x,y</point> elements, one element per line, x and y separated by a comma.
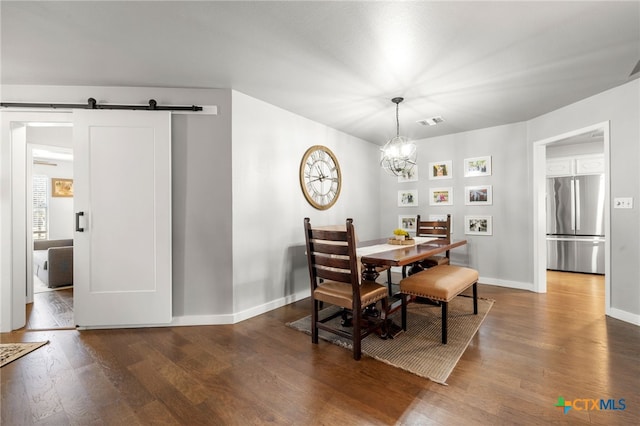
<point>593,164</point>
<point>570,166</point>
<point>560,167</point>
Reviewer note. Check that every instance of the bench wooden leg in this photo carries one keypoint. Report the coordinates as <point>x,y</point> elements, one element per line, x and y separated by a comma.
<point>475,298</point>
<point>405,302</point>
<point>445,307</point>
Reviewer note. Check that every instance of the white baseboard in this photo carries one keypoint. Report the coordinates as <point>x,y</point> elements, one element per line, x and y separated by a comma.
<point>506,283</point>
<point>258,310</point>
<point>190,320</point>
<point>624,316</point>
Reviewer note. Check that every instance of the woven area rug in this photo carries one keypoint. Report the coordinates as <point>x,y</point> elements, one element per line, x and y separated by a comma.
<point>12,351</point>
<point>419,350</point>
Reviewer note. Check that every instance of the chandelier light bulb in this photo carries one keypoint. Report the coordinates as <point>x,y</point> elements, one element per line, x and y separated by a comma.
<point>398,155</point>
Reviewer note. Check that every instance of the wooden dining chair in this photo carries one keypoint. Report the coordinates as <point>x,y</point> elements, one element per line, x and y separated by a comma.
<point>336,280</point>
<point>431,228</point>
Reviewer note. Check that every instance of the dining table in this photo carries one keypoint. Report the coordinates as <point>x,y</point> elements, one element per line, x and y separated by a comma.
<point>382,253</point>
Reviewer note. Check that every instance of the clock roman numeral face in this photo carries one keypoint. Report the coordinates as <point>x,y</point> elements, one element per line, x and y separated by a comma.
<point>320,177</point>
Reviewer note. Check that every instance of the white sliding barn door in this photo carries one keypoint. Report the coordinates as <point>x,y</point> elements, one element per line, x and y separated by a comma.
<point>122,200</point>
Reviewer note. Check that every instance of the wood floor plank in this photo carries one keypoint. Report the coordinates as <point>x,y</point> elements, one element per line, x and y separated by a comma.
<point>13,389</point>
<point>51,309</point>
<point>531,349</point>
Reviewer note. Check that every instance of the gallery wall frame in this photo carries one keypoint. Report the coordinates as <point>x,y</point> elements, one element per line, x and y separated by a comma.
<point>441,196</point>
<point>477,166</point>
<point>478,195</point>
<point>478,225</point>
<point>407,222</point>
<point>440,170</point>
<point>408,198</point>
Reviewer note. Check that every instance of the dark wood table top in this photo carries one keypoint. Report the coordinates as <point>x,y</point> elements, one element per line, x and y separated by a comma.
<point>406,255</point>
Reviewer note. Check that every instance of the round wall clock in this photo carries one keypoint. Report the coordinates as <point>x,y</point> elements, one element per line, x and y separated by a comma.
<point>320,177</point>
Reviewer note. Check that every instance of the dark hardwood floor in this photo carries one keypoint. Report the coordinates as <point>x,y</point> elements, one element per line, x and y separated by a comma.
<point>531,349</point>
<point>51,310</point>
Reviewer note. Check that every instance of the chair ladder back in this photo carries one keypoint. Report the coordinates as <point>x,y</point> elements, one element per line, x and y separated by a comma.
<point>434,228</point>
<point>332,254</point>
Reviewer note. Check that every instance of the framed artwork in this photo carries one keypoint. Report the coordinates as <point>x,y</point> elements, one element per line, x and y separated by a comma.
<point>478,195</point>
<point>442,218</point>
<point>478,225</point>
<point>408,198</point>
<point>478,166</point>
<point>410,176</point>
<point>61,187</point>
<point>441,196</point>
<point>440,170</point>
<point>408,223</point>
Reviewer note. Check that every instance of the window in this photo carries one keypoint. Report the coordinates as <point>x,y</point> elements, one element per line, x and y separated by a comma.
<point>40,219</point>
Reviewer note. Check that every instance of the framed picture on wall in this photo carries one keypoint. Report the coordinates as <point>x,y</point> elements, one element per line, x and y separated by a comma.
<point>440,170</point>
<point>441,196</point>
<point>410,176</point>
<point>478,166</point>
<point>408,223</point>
<point>408,198</point>
<point>478,225</point>
<point>442,218</point>
<point>478,195</point>
<point>61,187</point>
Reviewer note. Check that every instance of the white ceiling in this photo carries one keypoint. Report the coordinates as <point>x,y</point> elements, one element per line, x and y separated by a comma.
<point>476,64</point>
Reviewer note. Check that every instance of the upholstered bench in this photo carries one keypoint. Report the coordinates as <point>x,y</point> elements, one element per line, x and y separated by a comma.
<point>441,283</point>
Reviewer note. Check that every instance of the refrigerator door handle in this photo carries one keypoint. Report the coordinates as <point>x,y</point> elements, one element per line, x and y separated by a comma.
<point>577,183</point>
<point>573,204</point>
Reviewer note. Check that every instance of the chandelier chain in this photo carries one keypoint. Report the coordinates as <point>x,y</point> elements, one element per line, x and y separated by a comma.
<point>397,119</point>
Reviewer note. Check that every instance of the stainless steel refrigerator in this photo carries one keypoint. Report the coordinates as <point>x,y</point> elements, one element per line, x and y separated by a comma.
<point>575,223</point>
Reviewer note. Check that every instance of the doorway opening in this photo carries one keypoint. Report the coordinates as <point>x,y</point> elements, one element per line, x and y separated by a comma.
<point>553,156</point>
<point>50,232</point>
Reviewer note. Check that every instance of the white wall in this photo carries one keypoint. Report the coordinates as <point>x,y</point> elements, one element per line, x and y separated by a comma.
<point>202,214</point>
<point>54,136</point>
<point>269,265</point>
<point>504,258</point>
<point>620,106</point>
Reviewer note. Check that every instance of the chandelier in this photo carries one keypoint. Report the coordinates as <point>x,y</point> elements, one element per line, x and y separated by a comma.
<point>398,155</point>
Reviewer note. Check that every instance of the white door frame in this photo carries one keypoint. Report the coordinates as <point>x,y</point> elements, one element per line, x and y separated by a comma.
<point>13,223</point>
<point>539,210</point>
